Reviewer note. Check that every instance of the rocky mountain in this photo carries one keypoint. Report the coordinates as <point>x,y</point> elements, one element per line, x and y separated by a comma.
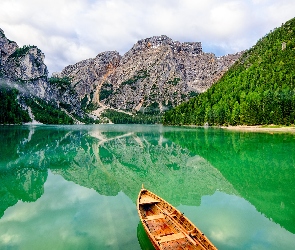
<point>7,47</point>
<point>23,69</point>
<point>259,89</point>
<point>23,65</point>
<point>156,74</point>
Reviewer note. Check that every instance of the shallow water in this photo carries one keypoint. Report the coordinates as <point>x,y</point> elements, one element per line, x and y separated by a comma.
<point>75,187</point>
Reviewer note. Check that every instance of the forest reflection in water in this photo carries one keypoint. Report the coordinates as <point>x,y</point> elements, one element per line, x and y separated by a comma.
<point>91,175</point>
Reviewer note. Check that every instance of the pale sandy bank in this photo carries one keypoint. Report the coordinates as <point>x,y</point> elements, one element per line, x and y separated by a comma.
<point>262,129</point>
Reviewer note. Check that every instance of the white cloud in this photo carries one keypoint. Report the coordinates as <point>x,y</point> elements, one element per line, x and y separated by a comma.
<point>68,31</point>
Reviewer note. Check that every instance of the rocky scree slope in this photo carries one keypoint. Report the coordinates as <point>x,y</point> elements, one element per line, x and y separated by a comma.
<point>156,74</point>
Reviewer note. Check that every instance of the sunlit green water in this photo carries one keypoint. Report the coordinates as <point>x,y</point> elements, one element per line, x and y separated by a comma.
<point>75,187</point>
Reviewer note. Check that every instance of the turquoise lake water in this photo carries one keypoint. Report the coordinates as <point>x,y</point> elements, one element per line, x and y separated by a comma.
<point>75,187</point>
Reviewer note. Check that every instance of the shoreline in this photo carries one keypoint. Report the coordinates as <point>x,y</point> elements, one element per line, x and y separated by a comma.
<point>261,128</point>
<point>255,128</point>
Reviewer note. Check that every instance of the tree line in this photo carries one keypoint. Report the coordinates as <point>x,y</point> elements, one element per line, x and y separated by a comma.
<point>10,111</point>
<point>137,118</point>
<point>258,89</point>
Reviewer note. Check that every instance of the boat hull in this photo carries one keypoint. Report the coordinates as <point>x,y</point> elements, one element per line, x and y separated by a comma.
<point>166,227</point>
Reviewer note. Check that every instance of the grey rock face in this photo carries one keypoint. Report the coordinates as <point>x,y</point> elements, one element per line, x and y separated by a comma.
<point>7,47</point>
<point>28,66</point>
<point>88,75</point>
<point>29,69</point>
<point>156,74</point>
<point>25,67</point>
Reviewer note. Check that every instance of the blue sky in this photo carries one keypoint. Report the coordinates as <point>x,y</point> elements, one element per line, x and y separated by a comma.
<point>68,31</point>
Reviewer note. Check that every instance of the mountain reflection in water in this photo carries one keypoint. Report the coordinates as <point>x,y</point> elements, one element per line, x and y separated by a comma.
<point>260,167</point>
<point>106,161</point>
<point>184,166</point>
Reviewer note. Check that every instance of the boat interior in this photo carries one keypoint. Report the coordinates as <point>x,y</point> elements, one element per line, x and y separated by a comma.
<point>169,228</point>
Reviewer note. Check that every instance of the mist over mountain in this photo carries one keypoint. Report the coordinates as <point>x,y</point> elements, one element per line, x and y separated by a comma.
<point>27,94</point>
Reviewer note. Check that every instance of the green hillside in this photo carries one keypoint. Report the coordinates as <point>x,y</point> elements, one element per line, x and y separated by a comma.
<point>258,89</point>
<point>11,111</point>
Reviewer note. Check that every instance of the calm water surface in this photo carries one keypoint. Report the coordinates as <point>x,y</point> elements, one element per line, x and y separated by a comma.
<point>75,187</point>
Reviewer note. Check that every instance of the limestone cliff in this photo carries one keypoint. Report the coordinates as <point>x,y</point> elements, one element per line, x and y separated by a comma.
<point>23,65</point>
<point>24,69</point>
<point>156,74</point>
<point>88,75</point>
<point>7,47</point>
<point>26,66</point>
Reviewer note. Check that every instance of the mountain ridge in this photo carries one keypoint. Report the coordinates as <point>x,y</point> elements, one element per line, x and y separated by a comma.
<point>155,75</point>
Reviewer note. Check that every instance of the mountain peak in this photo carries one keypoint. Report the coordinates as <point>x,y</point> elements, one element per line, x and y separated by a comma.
<point>156,74</point>
<point>163,40</point>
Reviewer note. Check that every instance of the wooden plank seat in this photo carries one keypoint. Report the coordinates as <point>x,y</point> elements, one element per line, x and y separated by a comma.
<point>171,237</point>
<point>147,200</point>
<point>155,217</point>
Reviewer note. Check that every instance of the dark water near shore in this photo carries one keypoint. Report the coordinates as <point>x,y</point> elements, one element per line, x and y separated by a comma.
<point>75,187</point>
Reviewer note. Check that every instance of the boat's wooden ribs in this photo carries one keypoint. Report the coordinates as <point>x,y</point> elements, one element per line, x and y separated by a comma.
<point>158,227</point>
<point>179,244</point>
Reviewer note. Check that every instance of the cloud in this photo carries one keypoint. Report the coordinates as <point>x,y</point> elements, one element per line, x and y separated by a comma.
<point>68,31</point>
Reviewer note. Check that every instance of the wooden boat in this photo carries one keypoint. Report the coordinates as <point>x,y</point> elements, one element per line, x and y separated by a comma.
<point>167,227</point>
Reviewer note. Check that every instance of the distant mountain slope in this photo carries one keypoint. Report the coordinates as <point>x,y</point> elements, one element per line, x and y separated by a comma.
<point>258,89</point>
<point>156,74</point>
<point>27,93</point>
